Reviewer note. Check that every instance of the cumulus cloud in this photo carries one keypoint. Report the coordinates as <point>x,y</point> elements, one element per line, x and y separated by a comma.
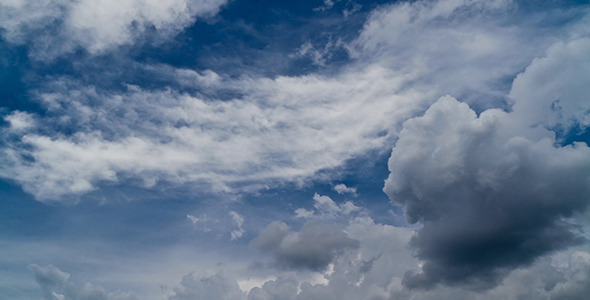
<point>55,285</point>
<point>369,269</point>
<point>217,286</point>
<point>325,207</point>
<point>56,27</point>
<point>343,189</point>
<point>545,279</point>
<point>462,48</point>
<point>553,90</point>
<point>491,191</point>
<point>314,247</point>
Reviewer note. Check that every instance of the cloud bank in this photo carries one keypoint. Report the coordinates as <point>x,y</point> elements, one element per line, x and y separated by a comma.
<point>493,192</point>
<point>288,128</point>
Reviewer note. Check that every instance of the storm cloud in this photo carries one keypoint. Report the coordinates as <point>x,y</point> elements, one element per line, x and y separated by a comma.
<point>494,192</point>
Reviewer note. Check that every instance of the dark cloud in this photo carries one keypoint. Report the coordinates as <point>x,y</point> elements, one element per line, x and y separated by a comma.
<point>489,200</point>
<point>314,248</point>
<point>493,191</point>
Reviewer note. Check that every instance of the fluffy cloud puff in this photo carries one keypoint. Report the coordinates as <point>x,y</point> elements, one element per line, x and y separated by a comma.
<point>315,247</point>
<point>493,191</point>
<point>217,286</point>
<point>371,270</point>
<point>56,27</point>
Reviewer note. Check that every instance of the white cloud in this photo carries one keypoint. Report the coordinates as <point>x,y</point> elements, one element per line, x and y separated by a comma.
<point>193,219</point>
<point>284,129</point>
<point>462,48</point>
<point>326,208</point>
<point>343,189</point>
<point>238,221</point>
<point>277,130</point>
<point>57,27</point>
<point>553,91</point>
<point>20,121</point>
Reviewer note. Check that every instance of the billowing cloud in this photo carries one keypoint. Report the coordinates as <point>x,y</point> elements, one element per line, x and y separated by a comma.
<point>463,48</point>
<point>493,191</point>
<point>314,247</point>
<point>373,270</point>
<point>56,27</point>
<point>217,286</point>
<point>553,90</point>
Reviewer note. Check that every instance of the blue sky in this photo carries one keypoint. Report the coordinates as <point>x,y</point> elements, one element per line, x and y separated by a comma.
<point>336,149</point>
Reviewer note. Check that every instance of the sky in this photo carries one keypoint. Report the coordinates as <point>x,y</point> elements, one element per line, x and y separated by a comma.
<point>259,150</point>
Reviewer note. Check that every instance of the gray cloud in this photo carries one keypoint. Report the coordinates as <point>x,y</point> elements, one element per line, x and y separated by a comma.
<point>284,288</point>
<point>575,283</point>
<point>55,285</point>
<point>314,247</point>
<point>370,271</point>
<point>492,191</point>
<point>217,286</point>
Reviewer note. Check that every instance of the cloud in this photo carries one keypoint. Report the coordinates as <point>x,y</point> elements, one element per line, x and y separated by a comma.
<point>343,189</point>
<point>314,247</point>
<point>491,191</point>
<point>20,121</point>
<point>463,48</point>
<point>325,207</point>
<point>56,27</point>
<point>368,271</point>
<point>371,271</point>
<point>217,286</point>
<point>238,221</point>
<point>193,219</point>
<point>286,129</point>
<point>553,91</point>
<point>55,285</point>
<point>574,284</point>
